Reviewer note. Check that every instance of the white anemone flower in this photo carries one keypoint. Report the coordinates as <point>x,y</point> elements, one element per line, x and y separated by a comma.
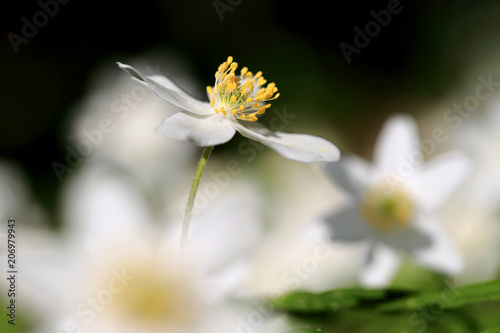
<point>235,103</point>
<point>114,270</point>
<point>393,203</point>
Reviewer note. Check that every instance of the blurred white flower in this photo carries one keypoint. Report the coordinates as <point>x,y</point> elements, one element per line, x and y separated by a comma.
<point>394,201</point>
<point>116,269</point>
<point>293,254</point>
<point>473,218</point>
<point>479,137</point>
<point>474,229</point>
<point>111,124</point>
<point>235,103</point>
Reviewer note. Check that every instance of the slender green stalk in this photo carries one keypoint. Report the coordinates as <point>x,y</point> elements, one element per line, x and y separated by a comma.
<point>192,194</point>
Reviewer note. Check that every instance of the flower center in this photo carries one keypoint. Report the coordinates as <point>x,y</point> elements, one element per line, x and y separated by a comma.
<point>387,206</point>
<point>243,96</point>
<point>144,291</point>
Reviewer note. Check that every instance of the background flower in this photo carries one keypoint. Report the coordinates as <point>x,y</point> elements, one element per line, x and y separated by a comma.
<point>393,203</point>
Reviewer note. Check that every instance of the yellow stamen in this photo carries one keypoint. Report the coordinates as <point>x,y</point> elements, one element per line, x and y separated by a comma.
<point>236,95</point>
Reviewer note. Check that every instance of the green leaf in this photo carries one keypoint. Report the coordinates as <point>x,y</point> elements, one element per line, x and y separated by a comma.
<point>310,330</point>
<point>448,298</point>
<point>389,300</point>
<point>333,300</point>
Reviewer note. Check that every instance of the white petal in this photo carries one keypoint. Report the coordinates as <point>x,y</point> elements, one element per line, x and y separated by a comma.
<point>440,178</point>
<point>351,173</point>
<point>407,240</point>
<point>230,221</point>
<point>297,147</point>
<point>169,91</point>
<point>202,130</point>
<point>440,255</point>
<point>103,209</point>
<point>346,225</point>
<point>381,267</point>
<point>396,145</point>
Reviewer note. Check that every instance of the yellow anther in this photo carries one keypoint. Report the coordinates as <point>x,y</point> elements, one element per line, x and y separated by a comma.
<point>235,95</point>
<point>275,96</point>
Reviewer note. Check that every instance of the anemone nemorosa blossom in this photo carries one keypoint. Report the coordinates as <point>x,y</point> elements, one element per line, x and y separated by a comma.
<point>393,203</point>
<point>235,104</point>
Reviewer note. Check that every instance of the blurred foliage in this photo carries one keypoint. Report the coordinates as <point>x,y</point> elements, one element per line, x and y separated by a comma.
<point>469,308</point>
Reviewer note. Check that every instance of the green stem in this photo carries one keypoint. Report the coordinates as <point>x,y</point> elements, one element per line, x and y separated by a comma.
<point>192,194</point>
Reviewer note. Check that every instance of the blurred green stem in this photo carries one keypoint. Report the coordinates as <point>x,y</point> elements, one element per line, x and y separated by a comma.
<point>192,194</point>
